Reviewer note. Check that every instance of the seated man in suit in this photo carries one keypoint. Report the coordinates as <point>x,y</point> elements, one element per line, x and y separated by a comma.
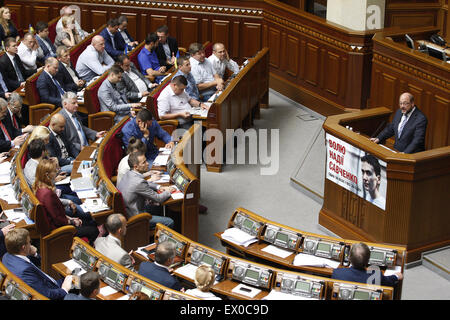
<point>9,136</point>
<point>45,44</point>
<point>111,99</point>
<point>89,287</point>
<point>221,61</point>
<point>148,60</point>
<point>167,49</point>
<point>145,128</point>
<point>67,76</point>
<point>358,271</point>
<point>4,92</point>
<point>58,145</point>
<point>48,87</point>
<point>208,81</point>
<point>133,83</point>
<point>14,114</point>
<point>75,132</point>
<point>138,194</point>
<point>110,246</point>
<point>125,40</point>
<point>111,35</point>
<point>94,60</point>
<point>408,126</point>
<point>174,103</point>
<point>184,69</point>
<point>28,51</point>
<point>13,71</point>
<point>159,271</point>
<point>18,245</point>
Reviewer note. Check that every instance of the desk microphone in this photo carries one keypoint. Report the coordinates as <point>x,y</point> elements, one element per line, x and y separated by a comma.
<point>377,131</point>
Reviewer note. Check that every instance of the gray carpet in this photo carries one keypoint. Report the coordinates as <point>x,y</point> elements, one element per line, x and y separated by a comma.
<point>276,198</point>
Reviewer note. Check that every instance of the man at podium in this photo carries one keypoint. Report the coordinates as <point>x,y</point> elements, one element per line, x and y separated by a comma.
<point>408,126</point>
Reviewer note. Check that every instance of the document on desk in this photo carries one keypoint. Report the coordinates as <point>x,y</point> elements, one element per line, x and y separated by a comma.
<point>72,265</point>
<point>391,271</point>
<point>188,271</point>
<point>81,184</point>
<point>106,291</point>
<point>303,259</point>
<point>64,181</point>
<point>15,216</point>
<point>277,295</point>
<point>141,251</point>
<point>94,205</point>
<point>164,178</point>
<point>99,140</point>
<point>238,237</point>
<point>199,112</point>
<point>161,160</point>
<point>5,178</point>
<point>277,251</point>
<point>246,290</point>
<point>7,194</point>
<point>5,168</point>
<point>87,194</point>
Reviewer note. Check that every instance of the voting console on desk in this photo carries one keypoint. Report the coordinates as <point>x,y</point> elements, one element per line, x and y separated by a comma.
<point>135,284</point>
<point>180,180</point>
<point>199,255</point>
<point>112,275</point>
<point>12,289</point>
<point>300,285</point>
<point>335,250</point>
<point>166,235</point>
<point>246,222</point>
<point>250,273</point>
<point>83,255</point>
<point>281,237</point>
<point>347,291</point>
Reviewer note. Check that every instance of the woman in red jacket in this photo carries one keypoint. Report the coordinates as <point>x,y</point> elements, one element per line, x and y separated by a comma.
<point>44,189</point>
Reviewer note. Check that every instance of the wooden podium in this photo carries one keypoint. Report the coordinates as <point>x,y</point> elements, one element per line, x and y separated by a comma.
<point>417,212</point>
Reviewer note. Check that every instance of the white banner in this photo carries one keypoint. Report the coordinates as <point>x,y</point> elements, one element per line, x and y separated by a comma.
<point>356,171</point>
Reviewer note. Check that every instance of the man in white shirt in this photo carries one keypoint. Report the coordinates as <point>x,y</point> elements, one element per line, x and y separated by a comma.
<point>94,60</point>
<point>110,246</point>
<point>175,103</point>
<point>28,52</point>
<point>201,68</point>
<point>221,60</point>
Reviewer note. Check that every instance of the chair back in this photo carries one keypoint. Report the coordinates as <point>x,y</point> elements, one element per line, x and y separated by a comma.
<point>31,91</point>
<point>91,101</point>
<point>113,152</point>
<point>52,29</point>
<point>134,54</point>
<point>208,47</point>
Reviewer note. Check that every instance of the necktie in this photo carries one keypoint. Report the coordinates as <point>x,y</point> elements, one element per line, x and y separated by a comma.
<point>3,84</point>
<point>16,125</point>
<point>401,125</point>
<point>61,90</point>
<point>5,132</point>
<point>77,124</point>
<point>19,74</point>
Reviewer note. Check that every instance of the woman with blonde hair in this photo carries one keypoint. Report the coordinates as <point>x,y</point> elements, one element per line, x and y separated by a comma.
<point>68,36</point>
<point>204,280</point>
<point>54,212</point>
<point>40,132</point>
<point>7,27</point>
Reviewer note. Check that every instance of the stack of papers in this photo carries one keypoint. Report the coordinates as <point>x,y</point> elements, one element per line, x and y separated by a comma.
<point>164,178</point>
<point>277,251</point>
<point>277,295</point>
<point>303,259</point>
<point>5,168</point>
<point>81,184</point>
<point>238,237</point>
<point>165,150</point>
<point>94,205</point>
<point>7,194</point>
<point>15,216</point>
<point>199,112</point>
<point>161,160</point>
<point>391,271</point>
<point>142,252</point>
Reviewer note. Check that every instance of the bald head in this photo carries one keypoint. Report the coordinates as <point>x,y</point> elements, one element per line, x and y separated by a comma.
<point>98,43</point>
<point>219,51</point>
<point>51,65</point>
<point>57,123</point>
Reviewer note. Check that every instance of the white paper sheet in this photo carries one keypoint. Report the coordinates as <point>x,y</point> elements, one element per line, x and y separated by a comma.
<point>238,237</point>
<point>303,259</point>
<point>106,291</point>
<point>64,181</point>
<point>253,291</point>
<point>391,271</point>
<point>277,251</point>
<point>277,295</point>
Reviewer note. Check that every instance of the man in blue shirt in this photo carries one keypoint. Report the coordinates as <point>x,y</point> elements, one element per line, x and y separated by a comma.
<point>145,128</point>
<point>184,69</point>
<point>148,59</point>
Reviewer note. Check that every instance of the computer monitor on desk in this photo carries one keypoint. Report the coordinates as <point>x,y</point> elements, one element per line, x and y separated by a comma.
<point>409,41</point>
<point>437,53</point>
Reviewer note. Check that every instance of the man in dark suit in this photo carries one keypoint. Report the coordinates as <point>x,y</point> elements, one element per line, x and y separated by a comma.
<point>124,39</point>
<point>111,35</point>
<point>167,49</point>
<point>14,115</point>
<point>18,245</point>
<point>45,44</point>
<point>159,271</point>
<point>75,132</point>
<point>13,71</point>
<point>10,137</point>
<point>358,271</point>
<point>67,76</point>
<point>49,89</point>
<point>408,126</point>
<point>58,145</point>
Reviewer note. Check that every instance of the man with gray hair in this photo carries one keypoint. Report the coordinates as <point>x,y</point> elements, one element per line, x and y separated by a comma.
<point>68,11</point>
<point>110,246</point>
<point>75,132</point>
<point>14,114</point>
<point>9,136</point>
<point>67,76</point>
<point>94,60</point>
<point>159,271</point>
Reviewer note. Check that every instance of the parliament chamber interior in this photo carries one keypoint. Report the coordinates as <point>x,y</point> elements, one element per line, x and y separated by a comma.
<point>225,150</point>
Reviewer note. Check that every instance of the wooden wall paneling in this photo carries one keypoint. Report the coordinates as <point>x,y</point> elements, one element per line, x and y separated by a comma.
<point>41,13</point>
<point>274,42</point>
<point>156,21</point>
<point>204,33</point>
<point>343,77</point>
<point>132,26</point>
<point>251,40</point>
<point>221,32</point>
<point>143,28</point>
<point>85,17</point>
<point>98,18</point>
<point>312,64</point>
<point>411,20</point>
<point>189,31</point>
<point>302,59</point>
<point>387,87</point>
<point>283,53</point>
<point>173,26</point>
<point>234,49</point>
<point>441,122</point>
<point>292,56</point>
<point>21,14</point>
<point>332,73</point>
<point>322,69</point>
